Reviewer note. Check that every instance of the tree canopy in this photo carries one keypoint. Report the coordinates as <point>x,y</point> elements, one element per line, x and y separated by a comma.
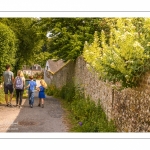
<point>69,34</point>
<point>8,47</point>
<point>30,39</point>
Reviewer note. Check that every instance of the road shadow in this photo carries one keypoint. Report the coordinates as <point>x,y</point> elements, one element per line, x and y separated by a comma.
<point>36,119</point>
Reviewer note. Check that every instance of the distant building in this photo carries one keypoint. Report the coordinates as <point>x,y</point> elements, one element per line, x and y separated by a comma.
<point>51,67</point>
<point>32,70</point>
<point>54,65</point>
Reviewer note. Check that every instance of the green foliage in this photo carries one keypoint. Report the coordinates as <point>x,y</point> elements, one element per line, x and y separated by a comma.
<point>25,94</point>
<point>38,75</point>
<point>84,114</point>
<point>52,90</point>
<point>7,47</point>
<point>67,92</point>
<point>30,39</point>
<point>124,58</point>
<point>2,95</point>
<point>67,35</point>
<point>90,117</point>
<point>26,76</point>
<point>41,58</point>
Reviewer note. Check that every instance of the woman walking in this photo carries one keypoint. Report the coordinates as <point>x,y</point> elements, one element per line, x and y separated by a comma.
<point>41,90</point>
<point>19,84</point>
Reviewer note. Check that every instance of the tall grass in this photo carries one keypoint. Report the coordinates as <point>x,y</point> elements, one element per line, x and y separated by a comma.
<point>84,114</point>
<point>2,96</point>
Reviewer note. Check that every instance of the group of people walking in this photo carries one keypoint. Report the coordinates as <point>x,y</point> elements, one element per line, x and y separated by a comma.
<point>18,83</point>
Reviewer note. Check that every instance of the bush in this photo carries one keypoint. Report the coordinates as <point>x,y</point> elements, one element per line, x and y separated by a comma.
<point>52,90</point>
<point>84,114</point>
<point>89,117</point>
<point>39,75</point>
<point>67,92</point>
<point>125,58</point>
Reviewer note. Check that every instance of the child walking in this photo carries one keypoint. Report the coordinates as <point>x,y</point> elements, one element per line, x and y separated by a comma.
<point>41,90</point>
<point>31,87</point>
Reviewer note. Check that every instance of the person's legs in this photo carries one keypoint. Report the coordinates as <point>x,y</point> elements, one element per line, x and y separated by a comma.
<point>11,96</point>
<point>6,99</point>
<point>17,96</point>
<point>32,99</point>
<point>10,88</point>
<point>42,99</point>
<point>21,94</point>
<point>39,102</point>
<point>6,94</point>
<point>29,96</point>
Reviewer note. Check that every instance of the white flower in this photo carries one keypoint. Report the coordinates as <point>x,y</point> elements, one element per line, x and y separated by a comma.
<point>87,65</point>
<point>136,44</point>
<point>126,76</point>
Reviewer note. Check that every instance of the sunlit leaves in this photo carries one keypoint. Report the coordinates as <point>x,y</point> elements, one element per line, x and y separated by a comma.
<point>124,58</point>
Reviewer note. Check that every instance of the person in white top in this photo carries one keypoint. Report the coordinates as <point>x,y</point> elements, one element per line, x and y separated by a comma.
<point>19,84</point>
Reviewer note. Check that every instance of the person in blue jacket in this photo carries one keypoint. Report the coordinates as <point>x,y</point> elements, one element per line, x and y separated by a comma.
<point>41,90</point>
<point>31,87</point>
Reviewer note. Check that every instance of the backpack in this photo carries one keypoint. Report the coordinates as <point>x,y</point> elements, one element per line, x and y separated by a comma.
<point>19,83</point>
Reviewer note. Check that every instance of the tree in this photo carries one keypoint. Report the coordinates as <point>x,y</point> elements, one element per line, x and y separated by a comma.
<point>69,34</point>
<point>30,39</point>
<point>7,47</point>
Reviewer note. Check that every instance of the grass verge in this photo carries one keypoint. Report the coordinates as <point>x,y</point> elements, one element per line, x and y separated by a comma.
<point>83,115</point>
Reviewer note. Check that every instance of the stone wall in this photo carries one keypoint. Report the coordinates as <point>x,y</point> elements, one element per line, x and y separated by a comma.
<point>92,86</point>
<point>129,108</point>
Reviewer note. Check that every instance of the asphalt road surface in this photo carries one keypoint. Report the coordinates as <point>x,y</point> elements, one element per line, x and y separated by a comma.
<point>36,119</point>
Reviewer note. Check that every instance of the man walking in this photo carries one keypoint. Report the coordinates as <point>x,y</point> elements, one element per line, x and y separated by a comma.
<point>8,78</point>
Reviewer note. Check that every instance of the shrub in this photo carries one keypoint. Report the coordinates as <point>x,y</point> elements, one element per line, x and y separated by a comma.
<point>52,90</point>
<point>125,58</point>
<point>84,114</point>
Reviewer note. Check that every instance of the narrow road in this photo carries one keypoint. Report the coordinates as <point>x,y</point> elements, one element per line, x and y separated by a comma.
<point>36,119</point>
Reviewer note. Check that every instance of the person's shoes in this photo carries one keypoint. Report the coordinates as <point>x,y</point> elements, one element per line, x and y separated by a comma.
<point>31,106</point>
<point>42,105</point>
<point>7,105</point>
<point>10,105</point>
<point>39,105</point>
<point>20,106</point>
